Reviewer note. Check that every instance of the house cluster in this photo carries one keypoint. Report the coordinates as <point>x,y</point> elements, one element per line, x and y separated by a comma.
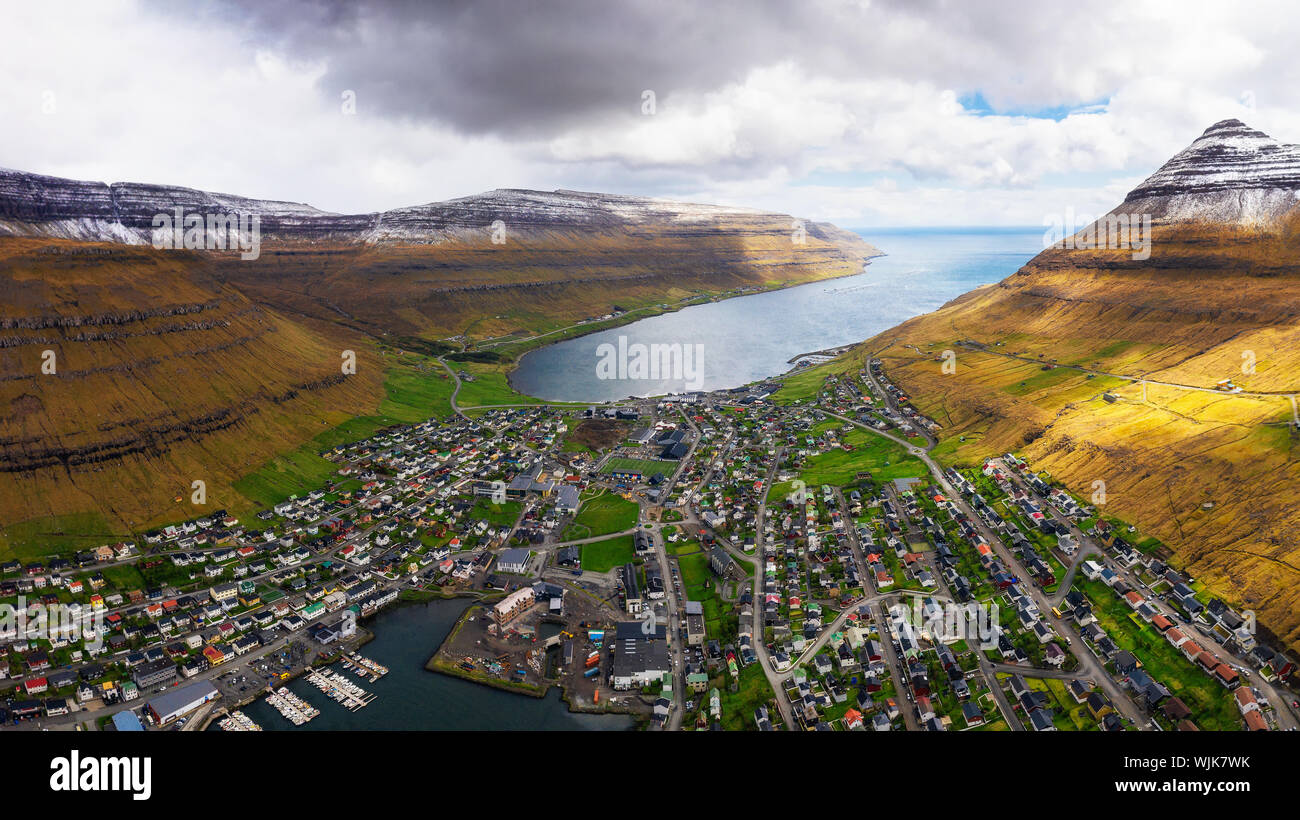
<point>1040,716</point>
<point>216,587</point>
<point>1180,635</point>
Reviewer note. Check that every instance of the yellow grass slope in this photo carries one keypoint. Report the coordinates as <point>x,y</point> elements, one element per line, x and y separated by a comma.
<point>163,376</point>
<point>1212,475</point>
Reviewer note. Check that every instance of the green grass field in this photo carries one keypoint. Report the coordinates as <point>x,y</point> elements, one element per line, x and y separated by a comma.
<point>602,515</point>
<point>498,515</point>
<point>410,395</point>
<point>883,458</point>
<point>491,385</point>
<point>602,556</point>
<point>738,707</point>
<point>1067,715</point>
<point>124,577</point>
<point>294,472</point>
<point>806,385</point>
<point>646,466</point>
<point>36,538</point>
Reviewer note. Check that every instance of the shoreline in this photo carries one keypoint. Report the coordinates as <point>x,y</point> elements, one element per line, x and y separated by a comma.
<point>616,323</point>
<point>366,635</point>
<point>446,666</point>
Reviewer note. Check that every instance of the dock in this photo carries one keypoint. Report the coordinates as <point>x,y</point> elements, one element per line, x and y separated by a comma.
<point>294,709</point>
<point>237,721</point>
<point>343,691</point>
<point>361,666</point>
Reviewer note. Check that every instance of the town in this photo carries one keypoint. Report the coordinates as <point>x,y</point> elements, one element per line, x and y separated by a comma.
<point>785,555</point>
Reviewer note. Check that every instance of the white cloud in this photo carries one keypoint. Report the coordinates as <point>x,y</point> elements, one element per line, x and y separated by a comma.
<point>863,125</point>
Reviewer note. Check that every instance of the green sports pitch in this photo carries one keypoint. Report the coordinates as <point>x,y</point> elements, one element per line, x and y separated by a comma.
<point>647,467</point>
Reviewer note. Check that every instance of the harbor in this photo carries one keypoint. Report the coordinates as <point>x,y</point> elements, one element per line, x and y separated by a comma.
<point>293,708</point>
<point>410,697</point>
<point>237,721</point>
<point>343,691</point>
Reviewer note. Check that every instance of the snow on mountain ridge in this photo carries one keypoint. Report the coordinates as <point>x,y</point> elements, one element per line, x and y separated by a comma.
<point>1231,173</point>
<point>37,205</point>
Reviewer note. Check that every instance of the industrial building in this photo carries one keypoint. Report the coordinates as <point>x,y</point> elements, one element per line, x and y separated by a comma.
<point>181,701</point>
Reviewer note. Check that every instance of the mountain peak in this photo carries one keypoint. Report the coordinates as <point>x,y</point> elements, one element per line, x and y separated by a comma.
<point>1232,127</point>
<point>1231,173</point>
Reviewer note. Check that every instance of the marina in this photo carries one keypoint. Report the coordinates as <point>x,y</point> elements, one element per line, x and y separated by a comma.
<point>237,721</point>
<point>294,709</point>
<point>362,666</point>
<point>414,698</point>
<point>343,691</point>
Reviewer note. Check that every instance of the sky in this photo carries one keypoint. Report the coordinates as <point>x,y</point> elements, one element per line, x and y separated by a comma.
<point>866,113</point>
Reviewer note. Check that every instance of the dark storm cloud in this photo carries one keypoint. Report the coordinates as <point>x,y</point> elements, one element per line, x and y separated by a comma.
<point>525,69</point>
<point>519,68</point>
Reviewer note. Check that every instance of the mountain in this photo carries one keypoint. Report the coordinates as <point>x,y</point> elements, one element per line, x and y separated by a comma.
<point>504,262</point>
<point>1051,360</point>
<point>180,365</point>
<point>33,205</point>
<point>1230,174</point>
<point>128,373</point>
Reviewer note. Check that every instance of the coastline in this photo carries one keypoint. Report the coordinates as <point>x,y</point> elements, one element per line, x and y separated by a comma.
<point>439,663</point>
<point>612,324</point>
<point>365,635</point>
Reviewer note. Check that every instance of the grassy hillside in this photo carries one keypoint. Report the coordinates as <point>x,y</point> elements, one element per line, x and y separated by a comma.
<point>162,376</point>
<point>1211,474</point>
<point>176,367</point>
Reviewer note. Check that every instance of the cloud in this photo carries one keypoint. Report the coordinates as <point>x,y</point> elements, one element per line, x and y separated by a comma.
<point>858,112</point>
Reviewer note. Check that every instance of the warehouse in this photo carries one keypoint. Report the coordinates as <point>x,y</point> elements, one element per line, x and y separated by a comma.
<point>168,706</point>
<point>640,658</point>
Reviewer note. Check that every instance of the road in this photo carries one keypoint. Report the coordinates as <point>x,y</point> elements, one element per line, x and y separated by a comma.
<point>760,549</point>
<point>672,630</point>
<point>1087,661</point>
<point>897,671</point>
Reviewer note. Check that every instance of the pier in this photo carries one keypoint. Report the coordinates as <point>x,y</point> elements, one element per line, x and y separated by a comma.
<point>294,709</point>
<point>362,665</point>
<point>346,693</point>
<point>237,721</point>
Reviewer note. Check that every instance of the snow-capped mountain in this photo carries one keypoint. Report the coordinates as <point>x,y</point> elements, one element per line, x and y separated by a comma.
<point>1231,173</point>
<point>53,207</point>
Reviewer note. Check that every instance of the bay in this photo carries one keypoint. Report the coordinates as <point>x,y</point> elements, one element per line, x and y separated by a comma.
<point>750,338</point>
